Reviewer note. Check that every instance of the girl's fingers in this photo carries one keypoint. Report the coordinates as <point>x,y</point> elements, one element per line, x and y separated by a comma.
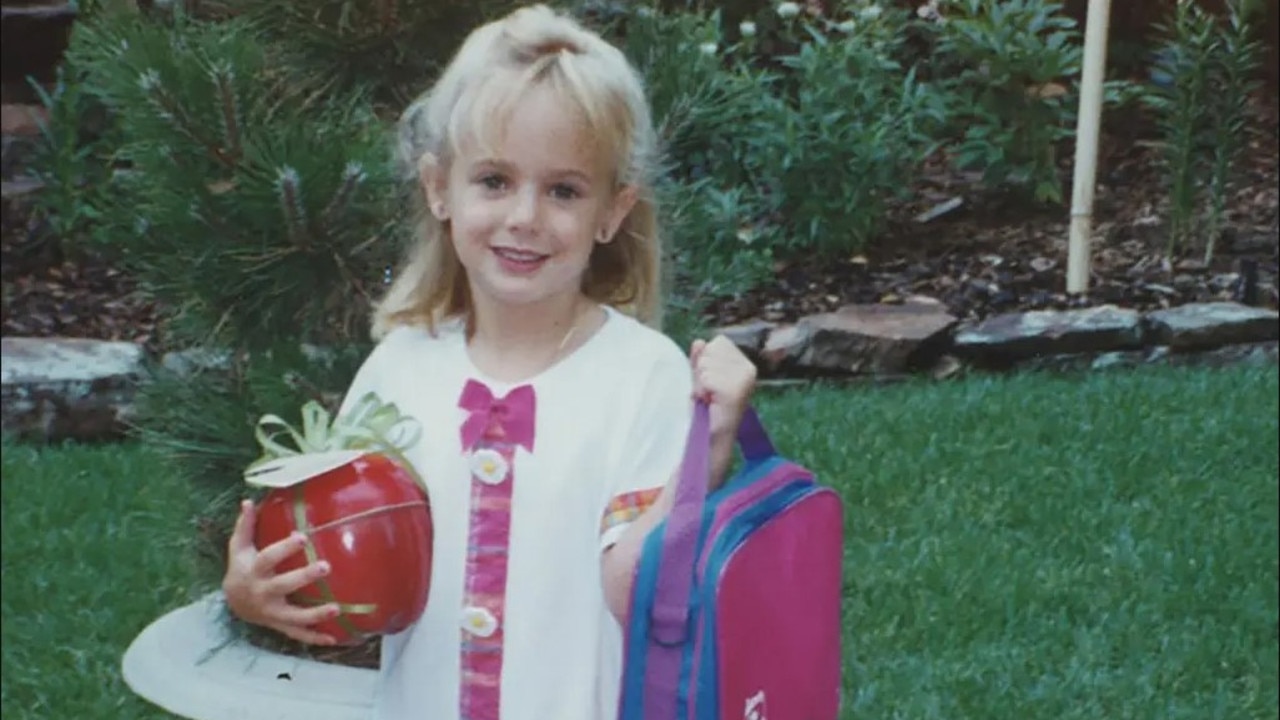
<point>695,352</point>
<point>701,390</point>
<point>303,617</point>
<point>242,534</point>
<point>275,553</point>
<point>698,362</point>
<point>294,580</point>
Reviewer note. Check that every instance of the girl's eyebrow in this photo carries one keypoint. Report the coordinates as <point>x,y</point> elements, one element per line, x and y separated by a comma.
<point>489,163</point>
<point>572,174</point>
<point>559,173</point>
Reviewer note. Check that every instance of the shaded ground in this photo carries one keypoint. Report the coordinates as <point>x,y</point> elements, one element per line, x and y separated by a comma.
<point>992,255</point>
<point>82,297</point>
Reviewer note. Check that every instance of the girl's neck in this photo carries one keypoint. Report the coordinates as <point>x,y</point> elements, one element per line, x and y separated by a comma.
<point>514,344</point>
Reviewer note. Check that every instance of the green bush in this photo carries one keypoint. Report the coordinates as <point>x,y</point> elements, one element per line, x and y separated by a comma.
<point>1011,70</point>
<point>842,135</point>
<point>72,161</point>
<point>388,51</point>
<point>251,215</point>
<point>785,154</point>
<point>1202,79</point>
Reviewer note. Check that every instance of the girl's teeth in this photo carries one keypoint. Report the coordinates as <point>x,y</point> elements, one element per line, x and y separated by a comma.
<point>519,255</point>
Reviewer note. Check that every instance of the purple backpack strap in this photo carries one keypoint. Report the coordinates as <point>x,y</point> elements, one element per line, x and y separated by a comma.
<point>669,617</point>
<point>752,438</point>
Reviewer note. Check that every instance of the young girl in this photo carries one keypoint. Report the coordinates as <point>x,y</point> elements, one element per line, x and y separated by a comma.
<point>554,416</point>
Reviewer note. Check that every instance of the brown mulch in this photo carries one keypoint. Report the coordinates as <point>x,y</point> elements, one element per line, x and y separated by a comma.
<point>992,255</point>
<point>84,297</point>
<point>51,291</point>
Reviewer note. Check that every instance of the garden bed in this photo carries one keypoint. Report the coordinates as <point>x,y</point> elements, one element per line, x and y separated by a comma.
<point>991,255</point>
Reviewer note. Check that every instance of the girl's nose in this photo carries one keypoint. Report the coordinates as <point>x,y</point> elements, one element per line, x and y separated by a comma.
<point>524,210</point>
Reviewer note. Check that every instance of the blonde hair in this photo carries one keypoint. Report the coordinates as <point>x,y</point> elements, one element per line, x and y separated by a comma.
<point>532,46</point>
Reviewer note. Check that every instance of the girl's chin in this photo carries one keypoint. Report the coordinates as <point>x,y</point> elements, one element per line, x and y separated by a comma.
<point>513,291</point>
<point>523,297</point>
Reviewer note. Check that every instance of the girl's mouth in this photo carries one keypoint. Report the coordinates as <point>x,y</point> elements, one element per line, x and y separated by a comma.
<point>519,261</point>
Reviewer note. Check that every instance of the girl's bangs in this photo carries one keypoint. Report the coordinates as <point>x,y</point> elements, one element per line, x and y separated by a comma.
<point>480,119</point>
<point>483,113</point>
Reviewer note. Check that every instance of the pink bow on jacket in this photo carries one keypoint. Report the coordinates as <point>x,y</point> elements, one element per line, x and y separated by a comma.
<point>510,418</point>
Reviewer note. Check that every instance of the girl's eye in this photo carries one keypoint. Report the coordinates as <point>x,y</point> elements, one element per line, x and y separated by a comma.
<point>564,192</point>
<point>492,182</point>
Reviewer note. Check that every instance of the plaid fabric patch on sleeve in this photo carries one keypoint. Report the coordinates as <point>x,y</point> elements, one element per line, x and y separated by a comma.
<point>627,507</point>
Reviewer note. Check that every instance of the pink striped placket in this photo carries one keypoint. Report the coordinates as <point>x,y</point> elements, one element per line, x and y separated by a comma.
<point>491,434</point>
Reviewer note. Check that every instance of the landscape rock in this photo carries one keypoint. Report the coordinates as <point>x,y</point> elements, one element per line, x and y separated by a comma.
<point>63,388</point>
<point>1089,361</point>
<point>1007,339</point>
<point>750,337</point>
<point>1210,325</point>
<point>1261,353</point>
<point>784,346</point>
<point>945,367</point>
<point>875,338</point>
<point>196,360</point>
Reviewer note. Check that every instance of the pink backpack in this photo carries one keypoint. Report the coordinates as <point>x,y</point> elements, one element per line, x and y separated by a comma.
<point>735,609</point>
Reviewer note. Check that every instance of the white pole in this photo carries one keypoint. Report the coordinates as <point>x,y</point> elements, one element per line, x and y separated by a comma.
<point>1088,119</point>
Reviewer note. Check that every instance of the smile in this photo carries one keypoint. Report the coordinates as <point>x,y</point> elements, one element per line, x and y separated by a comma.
<point>515,260</point>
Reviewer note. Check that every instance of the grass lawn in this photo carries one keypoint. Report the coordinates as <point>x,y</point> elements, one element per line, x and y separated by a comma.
<point>95,547</point>
<point>1026,548</point>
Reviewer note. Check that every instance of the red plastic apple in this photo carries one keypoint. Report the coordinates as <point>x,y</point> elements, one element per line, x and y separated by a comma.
<point>371,521</point>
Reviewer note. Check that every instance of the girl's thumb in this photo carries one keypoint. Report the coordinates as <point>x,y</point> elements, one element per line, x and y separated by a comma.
<point>243,531</point>
<point>696,351</point>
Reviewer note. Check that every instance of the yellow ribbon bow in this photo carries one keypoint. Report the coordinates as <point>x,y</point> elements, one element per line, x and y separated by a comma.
<point>370,425</point>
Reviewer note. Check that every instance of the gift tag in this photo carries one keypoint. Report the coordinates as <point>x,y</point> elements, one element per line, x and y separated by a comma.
<point>290,470</point>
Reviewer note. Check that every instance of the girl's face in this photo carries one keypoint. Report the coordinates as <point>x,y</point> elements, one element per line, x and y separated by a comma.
<point>525,219</point>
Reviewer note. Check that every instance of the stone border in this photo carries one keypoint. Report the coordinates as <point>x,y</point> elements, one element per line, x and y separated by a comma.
<point>919,337</point>
<point>186,663</point>
<point>58,388</point>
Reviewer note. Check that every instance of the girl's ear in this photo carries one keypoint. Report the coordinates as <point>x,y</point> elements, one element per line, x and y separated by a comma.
<point>435,184</point>
<point>623,201</point>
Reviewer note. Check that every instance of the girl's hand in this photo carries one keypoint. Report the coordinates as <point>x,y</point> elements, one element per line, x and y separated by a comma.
<point>256,594</point>
<point>724,378</point>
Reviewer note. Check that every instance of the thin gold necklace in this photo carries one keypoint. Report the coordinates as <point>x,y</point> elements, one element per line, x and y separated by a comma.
<point>567,336</point>
<point>573,328</point>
